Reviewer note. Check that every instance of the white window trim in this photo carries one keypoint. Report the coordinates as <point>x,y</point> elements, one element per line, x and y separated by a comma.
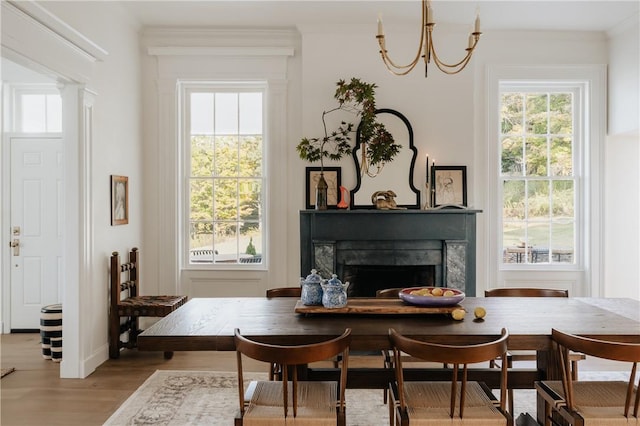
<point>594,78</point>
<point>184,88</point>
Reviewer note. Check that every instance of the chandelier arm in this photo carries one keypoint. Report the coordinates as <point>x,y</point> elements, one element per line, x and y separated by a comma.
<point>443,64</point>
<point>399,73</point>
<point>389,62</point>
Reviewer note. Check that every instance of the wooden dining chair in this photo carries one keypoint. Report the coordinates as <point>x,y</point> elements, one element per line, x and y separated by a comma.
<point>591,402</point>
<point>519,356</point>
<point>292,400</point>
<point>126,305</point>
<point>458,401</point>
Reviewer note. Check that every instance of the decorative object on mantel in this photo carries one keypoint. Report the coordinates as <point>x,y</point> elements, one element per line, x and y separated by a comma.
<point>344,198</point>
<point>322,187</point>
<point>398,175</point>
<point>356,97</point>
<point>449,186</point>
<point>426,50</point>
<point>385,200</point>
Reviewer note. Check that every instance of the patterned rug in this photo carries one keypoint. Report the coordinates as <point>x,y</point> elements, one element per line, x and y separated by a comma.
<point>180,398</point>
<point>6,371</point>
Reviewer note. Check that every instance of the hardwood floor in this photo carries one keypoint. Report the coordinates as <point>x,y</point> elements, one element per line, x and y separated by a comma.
<point>36,395</point>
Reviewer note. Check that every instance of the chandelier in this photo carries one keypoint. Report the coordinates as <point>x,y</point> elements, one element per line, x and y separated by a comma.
<point>426,49</point>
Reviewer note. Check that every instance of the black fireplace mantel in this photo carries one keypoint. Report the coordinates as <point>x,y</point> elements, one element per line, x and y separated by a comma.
<point>408,237</point>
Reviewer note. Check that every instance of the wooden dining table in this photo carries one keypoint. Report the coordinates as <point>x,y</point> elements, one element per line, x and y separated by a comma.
<point>208,324</point>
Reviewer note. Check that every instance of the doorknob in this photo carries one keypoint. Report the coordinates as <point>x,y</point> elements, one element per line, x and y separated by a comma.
<point>15,244</point>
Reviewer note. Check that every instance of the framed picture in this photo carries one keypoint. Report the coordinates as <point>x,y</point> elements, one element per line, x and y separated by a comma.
<point>333,177</point>
<point>119,200</point>
<point>449,185</point>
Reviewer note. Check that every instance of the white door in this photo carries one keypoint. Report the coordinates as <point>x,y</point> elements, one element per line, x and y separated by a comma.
<point>37,225</point>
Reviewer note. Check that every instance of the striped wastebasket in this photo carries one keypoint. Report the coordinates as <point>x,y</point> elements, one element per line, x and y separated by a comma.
<point>51,332</point>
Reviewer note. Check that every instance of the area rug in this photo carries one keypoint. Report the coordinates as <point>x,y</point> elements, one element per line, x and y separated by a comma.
<point>6,371</point>
<point>180,398</point>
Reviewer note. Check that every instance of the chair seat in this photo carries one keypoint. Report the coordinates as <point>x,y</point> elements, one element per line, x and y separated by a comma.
<point>150,306</point>
<point>428,404</point>
<point>600,401</point>
<point>316,403</point>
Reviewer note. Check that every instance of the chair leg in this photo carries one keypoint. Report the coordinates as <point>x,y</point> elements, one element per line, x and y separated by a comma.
<point>114,336</point>
<point>574,370</point>
<point>510,397</point>
<point>168,355</point>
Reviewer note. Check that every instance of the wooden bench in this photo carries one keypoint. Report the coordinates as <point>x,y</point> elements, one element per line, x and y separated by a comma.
<point>126,303</point>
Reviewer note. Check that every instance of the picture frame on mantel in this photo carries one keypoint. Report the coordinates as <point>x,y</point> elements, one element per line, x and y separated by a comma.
<point>449,186</point>
<point>119,200</point>
<point>333,176</point>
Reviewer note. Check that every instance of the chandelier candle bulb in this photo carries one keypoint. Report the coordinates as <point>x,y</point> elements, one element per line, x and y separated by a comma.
<point>380,30</point>
<point>471,40</point>
<point>477,26</point>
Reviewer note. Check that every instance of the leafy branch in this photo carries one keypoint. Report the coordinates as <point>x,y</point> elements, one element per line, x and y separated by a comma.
<point>356,97</point>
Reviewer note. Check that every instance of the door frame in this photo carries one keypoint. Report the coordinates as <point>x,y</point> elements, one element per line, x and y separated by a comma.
<point>35,38</point>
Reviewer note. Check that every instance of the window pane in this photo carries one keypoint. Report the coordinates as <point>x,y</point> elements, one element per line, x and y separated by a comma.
<point>563,199</point>
<point>201,242</point>
<point>250,246</point>
<point>226,196</point>
<point>513,199</point>
<point>538,200</point>
<point>226,114</point>
<point>563,241</point>
<point>54,113</point>
<point>512,156</point>
<point>513,241</point>
<point>537,114</point>
<point>33,113</point>
<point>250,194</point>
<point>562,156</point>
<point>226,156</point>
<point>202,113</point>
<point>201,197</point>
<point>250,113</point>
<point>250,156</point>
<point>226,242</point>
<point>536,156</point>
<point>511,122</point>
<point>201,156</point>
<point>538,235</point>
<point>560,113</point>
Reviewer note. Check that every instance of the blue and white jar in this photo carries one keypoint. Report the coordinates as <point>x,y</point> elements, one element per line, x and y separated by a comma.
<point>311,289</point>
<point>334,293</point>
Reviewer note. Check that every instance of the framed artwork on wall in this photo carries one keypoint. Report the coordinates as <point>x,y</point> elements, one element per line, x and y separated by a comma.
<point>449,185</point>
<point>333,177</point>
<point>119,200</point>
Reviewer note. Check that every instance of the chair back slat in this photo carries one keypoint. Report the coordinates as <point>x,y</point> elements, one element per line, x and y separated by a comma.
<point>457,355</point>
<point>284,292</point>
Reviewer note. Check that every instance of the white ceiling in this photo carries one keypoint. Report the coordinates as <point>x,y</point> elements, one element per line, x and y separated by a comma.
<point>574,15</point>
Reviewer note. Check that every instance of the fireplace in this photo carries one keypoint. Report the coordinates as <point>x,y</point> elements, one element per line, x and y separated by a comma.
<point>375,249</point>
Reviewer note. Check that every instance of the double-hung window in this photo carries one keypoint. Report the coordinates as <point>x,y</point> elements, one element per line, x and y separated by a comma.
<point>223,128</point>
<point>540,172</point>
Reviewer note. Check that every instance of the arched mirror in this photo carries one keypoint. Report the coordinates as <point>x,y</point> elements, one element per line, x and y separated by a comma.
<point>397,175</point>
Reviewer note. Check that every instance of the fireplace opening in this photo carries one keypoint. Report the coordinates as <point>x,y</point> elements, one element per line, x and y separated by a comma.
<point>365,280</point>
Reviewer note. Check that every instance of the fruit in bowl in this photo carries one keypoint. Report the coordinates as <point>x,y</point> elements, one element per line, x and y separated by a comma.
<point>431,296</point>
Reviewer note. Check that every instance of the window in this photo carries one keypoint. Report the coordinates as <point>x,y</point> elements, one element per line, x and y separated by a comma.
<point>540,163</point>
<point>37,110</point>
<point>226,180</point>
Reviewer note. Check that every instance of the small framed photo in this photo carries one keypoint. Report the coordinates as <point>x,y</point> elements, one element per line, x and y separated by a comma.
<point>119,200</point>
<point>449,186</point>
<point>333,176</point>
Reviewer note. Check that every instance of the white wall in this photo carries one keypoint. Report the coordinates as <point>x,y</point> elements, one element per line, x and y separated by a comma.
<point>622,154</point>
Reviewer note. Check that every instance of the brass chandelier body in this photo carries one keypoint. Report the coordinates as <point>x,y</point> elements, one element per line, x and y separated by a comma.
<point>426,49</point>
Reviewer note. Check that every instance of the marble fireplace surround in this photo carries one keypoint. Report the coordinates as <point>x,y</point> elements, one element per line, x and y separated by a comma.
<point>440,243</point>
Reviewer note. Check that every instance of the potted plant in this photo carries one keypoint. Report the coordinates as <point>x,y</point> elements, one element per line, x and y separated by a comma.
<point>377,144</point>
